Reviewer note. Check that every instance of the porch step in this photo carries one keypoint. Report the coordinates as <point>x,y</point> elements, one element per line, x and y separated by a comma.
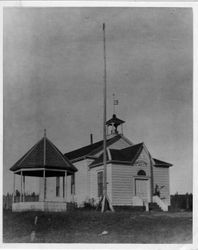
<point>153,206</point>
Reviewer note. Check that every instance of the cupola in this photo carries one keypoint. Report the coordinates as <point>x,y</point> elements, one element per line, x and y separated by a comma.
<point>114,125</point>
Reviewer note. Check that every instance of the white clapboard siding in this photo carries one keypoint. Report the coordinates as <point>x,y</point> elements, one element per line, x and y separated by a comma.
<point>89,161</point>
<point>81,182</point>
<point>161,178</point>
<point>123,178</point>
<point>94,182</point>
<point>123,186</point>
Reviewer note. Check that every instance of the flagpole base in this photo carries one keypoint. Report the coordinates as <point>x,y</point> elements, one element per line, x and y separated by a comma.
<point>106,204</point>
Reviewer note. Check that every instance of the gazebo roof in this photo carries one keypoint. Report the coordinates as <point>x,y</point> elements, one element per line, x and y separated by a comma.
<point>43,155</point>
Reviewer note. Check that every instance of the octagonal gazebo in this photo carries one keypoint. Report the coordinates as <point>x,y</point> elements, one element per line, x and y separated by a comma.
<point>43,160</point>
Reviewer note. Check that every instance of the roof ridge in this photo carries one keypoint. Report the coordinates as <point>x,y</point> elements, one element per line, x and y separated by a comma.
<point>30,150</point>
<point>138,153</point>
<point>88,145</point>
<point>58,151</point>
<point>134,145</point>
<point>83,147</point>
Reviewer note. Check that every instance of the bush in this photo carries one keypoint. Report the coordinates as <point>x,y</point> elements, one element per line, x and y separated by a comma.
<point>90,204</point>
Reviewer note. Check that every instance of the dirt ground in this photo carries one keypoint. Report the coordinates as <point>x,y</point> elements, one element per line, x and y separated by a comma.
<point>95,227</point>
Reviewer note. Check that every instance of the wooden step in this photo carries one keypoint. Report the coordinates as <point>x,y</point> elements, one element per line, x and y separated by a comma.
<point>153,206</point>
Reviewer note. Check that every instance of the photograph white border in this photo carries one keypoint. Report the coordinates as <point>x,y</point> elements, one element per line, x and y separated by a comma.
<point>194,6</point>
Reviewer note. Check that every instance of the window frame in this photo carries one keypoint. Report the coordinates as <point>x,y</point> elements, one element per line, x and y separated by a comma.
<point>57,186</point>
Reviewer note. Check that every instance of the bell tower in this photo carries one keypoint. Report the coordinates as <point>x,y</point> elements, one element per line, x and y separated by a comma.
<point>114,126</point>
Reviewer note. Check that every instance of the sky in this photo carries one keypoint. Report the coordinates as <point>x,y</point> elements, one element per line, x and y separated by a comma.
<point>53,79</point>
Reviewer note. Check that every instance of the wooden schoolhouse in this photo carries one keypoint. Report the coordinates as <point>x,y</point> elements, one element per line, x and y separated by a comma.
<point>134,177</point>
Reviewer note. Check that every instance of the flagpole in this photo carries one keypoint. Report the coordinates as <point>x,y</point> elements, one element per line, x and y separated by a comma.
<point>104,118</point>
<point>106,203</point>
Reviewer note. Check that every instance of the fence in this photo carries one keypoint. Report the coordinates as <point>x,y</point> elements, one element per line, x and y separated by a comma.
<point>178,201</point>
<point>7,200</point>
<point>182,202</point>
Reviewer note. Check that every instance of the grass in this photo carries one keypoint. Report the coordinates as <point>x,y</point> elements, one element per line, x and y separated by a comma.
<point>86,226</point>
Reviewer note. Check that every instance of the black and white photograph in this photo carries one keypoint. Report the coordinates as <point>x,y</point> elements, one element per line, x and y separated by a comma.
<point>97,125</point>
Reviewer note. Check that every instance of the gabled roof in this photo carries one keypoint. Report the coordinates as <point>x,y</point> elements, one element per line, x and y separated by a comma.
<point>131,153</point>
<point>162,163</point>
<point>44,154</point>
<point>90,149</point>
<point>99,160</point>
<point>125,155</point>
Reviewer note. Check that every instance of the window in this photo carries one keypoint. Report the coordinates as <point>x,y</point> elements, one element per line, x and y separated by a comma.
<point>57,186</point>
<point>73,184</point>
<point>100,184</point>
<point>141,172</point>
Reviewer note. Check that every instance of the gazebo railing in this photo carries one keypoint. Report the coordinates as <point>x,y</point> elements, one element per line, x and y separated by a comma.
<point>26,198</point>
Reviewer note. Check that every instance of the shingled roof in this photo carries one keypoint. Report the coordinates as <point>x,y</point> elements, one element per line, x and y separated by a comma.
<point>90,149</point>
<point>44,154</point>
<point>125,156</point>
<point>162,163</point>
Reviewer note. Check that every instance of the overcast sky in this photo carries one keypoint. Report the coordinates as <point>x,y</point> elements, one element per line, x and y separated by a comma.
<point>53,79</point>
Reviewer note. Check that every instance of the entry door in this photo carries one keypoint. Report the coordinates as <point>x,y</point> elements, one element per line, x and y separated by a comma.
<point>141,187</point>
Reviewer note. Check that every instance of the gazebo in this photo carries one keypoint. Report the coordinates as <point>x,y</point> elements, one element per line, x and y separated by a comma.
<point>43,160</point>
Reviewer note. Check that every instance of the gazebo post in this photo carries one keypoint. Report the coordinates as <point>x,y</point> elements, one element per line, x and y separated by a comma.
<point>65,186</point>
<point>44,184</point>
<point>13,188</point>
<point>21,187</point>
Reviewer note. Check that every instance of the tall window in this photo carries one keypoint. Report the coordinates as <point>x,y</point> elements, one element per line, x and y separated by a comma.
<point>57,186</point>
<point>73,184</point>
<point>100,184</point>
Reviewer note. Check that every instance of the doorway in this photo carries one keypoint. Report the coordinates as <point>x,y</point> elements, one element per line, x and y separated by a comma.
<point>142,189</point>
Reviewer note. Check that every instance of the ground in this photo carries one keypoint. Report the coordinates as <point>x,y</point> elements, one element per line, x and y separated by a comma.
<point>86,227</point>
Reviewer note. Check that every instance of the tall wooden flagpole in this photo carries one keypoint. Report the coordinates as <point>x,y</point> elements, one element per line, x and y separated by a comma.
<point>104,118</point>
<point>106,204</point>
